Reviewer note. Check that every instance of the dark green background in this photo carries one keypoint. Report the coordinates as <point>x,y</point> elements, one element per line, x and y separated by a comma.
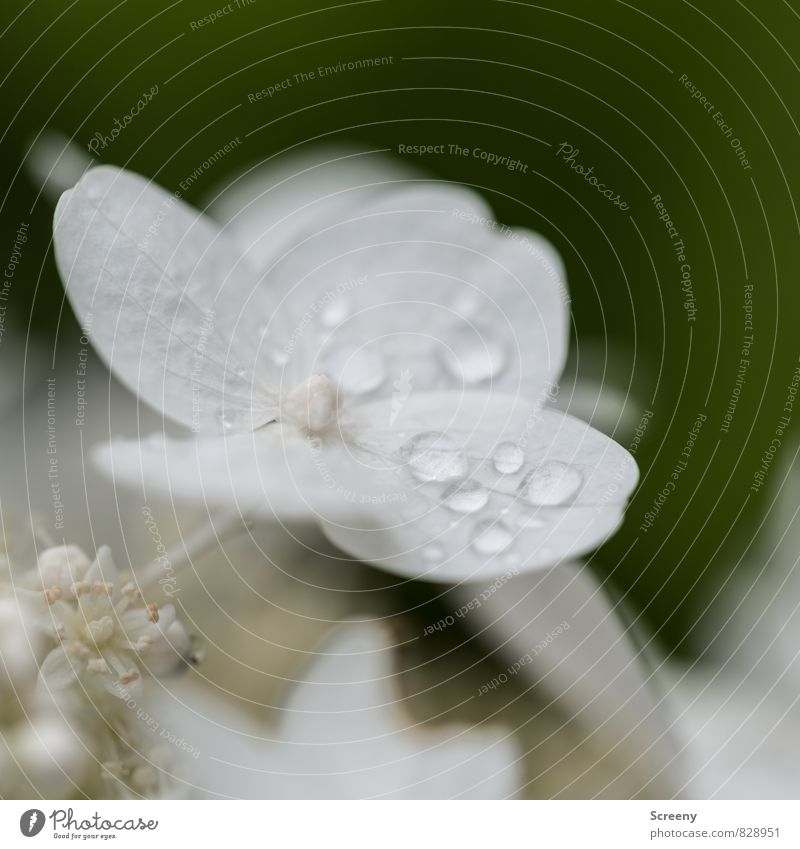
<point>603,76</point>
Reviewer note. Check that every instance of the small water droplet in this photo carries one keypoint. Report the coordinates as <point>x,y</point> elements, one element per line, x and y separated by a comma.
<point>335,312</point>
<point>551,483</point>
<point>356,370</point>
<point>433,456</point>
<point>226,420</point>
<point>433,553</point>
<point>278,356</point>
<point>492,537</point>
<point>467,497</point>
<point>473,355</point>
<point>508,458</point>
<point>467,304</point>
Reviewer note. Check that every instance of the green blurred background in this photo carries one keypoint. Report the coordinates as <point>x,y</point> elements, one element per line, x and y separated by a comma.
<point>518,79</point>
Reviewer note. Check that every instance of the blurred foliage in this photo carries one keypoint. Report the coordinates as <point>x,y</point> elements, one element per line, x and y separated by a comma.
<point>518,79</point>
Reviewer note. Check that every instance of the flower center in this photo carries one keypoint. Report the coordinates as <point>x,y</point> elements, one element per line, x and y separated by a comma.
<point>311,405</point>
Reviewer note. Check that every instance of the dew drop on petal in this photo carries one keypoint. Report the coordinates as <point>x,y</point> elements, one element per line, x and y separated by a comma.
<point>467,304</point>
<point>433,456</point>
<point>335,312</point>
<point>356,370</point>
<point>433,554</point>
<point>508,458</point>
<point>226,420</point>
<point>551,483</point>
<point>474,356</point>
<point>467,497</point>
<point>492,537</point>
<point>278,356</point>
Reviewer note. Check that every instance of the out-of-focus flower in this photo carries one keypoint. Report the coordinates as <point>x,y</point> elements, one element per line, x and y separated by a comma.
<point>105,634</point>
<point>285,370</point>
<point>343,735</point>
<point>74,643</point>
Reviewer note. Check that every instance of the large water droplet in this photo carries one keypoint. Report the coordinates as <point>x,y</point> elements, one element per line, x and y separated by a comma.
<point>474,356</point>
<point>551,483</point>
<point>492,537</point>
<point>433,456</point>
<point>467,497</point>
<point>508,458</point>
<point>335,312</point>
<point>356,370</point>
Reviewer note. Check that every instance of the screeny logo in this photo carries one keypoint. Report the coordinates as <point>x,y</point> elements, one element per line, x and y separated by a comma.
<point>31,822</point>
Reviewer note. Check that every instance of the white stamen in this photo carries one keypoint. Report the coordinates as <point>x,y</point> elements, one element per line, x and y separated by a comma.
<point>311,405</point>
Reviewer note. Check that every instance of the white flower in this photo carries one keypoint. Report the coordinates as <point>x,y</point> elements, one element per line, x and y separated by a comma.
<point>343,734</point>
<point>279,353</point>
<point>105,636</point>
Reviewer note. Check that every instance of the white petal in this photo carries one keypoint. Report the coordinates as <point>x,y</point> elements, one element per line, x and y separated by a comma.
<point>274,471</point>
<point>344,735</point>
<point>270,207</point>
<point>414,289</point>
<point>159,289</point>
<point>560,632</point>
<point>58,670</point>
<point>458,517</point>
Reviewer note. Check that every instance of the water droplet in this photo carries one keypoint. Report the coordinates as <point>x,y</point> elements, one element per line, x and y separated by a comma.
<point>492,537</point>
<point>226,420</point>
<point>356,370</point>
<point>551,483</point>
<point>335,312</point>
<point>278,356</point>
<point>433,554</point>
<point>467,497</point>
<point>508,458</point>
<point>473,356</point>
<point>467,304</point>
<point>433,456</point>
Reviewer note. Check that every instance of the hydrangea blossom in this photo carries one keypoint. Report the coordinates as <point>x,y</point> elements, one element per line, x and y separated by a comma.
<point>75,643</point>
<point>105,635</point>
<point>377,359</point>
